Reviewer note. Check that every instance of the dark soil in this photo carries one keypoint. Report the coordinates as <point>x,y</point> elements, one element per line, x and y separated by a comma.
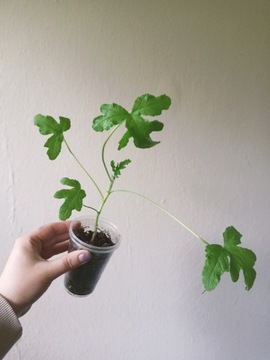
<point>101,239</point>
<point>83,280</point>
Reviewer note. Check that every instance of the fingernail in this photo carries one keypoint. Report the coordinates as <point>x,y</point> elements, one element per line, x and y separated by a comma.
<point>84,257</point>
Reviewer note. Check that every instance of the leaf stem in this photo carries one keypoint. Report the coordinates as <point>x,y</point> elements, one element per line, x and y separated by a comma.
<point>166,212</point>
<point>87,173</point>
<point>90,207</point>
<point>103,151</point>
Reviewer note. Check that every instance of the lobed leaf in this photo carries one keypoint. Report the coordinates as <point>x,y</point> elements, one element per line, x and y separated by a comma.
<point>49,126</point>
<point>137,127</point>
<point>228,258</point>
<point>73,198</point>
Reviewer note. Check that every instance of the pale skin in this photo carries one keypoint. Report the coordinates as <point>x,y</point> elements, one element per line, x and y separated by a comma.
<point>31,269</point>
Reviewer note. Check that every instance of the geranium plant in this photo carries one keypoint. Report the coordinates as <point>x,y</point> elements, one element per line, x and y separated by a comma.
<point>228,257</point>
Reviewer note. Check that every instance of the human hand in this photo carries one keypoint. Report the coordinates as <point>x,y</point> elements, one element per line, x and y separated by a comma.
<point>29,272</point>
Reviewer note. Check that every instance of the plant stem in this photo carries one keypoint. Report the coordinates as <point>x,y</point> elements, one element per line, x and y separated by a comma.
<point>111,179</point>
<point>103,151</point>
<point>87,173</point>
<point>166,212</point>
<point>105,198</point>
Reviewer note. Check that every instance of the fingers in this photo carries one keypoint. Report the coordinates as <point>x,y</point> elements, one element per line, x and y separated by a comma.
<point>50,239</point>
<point>51,233</point>
<point>70,261</point>
<point>47,251</point>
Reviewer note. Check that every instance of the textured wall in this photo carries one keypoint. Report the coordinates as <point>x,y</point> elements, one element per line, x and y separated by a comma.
<point>211,169</point>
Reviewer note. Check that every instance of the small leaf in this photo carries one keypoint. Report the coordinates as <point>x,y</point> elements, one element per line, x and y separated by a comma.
<point>47,126</point>
<point>73,198</point>
<point>116,168</point>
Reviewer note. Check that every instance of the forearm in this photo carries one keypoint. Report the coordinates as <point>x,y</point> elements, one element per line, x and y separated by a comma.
<point>10,327</point>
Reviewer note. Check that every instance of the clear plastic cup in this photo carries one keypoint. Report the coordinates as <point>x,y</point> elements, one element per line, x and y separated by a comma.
<point>83,280</point>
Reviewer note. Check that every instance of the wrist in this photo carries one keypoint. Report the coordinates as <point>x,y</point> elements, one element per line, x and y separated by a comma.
<point>18,310</point>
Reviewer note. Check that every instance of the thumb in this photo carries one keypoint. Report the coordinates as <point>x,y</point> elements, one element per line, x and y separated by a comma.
<point>68,262</point>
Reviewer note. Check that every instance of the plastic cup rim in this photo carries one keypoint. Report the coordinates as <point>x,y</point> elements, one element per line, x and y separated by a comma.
<point>92,247</point>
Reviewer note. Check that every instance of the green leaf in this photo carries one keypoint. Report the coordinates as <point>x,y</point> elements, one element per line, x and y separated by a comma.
<point>244,259</point>
<point>124,140</point>
<point>151,105</point>
<point>140,130</point>
<point>231,236</point>
<point>229,258</point>
<point>49,126</point>
<point>137,127</point>
<point>216,263</point>
<point>113,114</point>
<point>73,198</point>
<point>116,168</point>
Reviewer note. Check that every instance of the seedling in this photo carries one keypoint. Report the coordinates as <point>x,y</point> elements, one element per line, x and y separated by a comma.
<point>229,257</point>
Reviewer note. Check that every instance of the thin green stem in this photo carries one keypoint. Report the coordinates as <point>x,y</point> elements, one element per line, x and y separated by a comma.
<point>83,168</point>
<point>109,192</point>
<point>90,207</point>
<point>166,212</point>
<point>103,151</point>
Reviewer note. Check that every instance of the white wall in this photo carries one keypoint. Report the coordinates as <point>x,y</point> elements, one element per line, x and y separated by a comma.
<point>211,169</point>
